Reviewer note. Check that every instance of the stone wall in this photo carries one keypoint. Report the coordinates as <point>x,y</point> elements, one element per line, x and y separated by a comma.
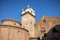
<point>46,23</point>
<point>11,30</point>
<point>28,23</point>
<point>13,33</point>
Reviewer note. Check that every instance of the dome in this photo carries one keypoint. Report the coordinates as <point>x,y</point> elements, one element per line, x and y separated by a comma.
<point>11,22</point>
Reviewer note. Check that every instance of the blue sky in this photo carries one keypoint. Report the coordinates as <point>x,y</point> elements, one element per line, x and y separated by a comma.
<point>11,9</point>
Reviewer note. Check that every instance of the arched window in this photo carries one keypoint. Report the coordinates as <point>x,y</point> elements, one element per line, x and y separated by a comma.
<point>45,35</point>
<point>44,22</point>
<point>54,30</point>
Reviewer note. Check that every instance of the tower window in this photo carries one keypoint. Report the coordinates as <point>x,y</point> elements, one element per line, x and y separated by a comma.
<point>31,22</point>
<point>14,23</point>
<point>44,22</point>
<point>18,30</point>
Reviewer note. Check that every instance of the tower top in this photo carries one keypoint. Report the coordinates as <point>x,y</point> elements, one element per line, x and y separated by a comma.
<point>28,9</point>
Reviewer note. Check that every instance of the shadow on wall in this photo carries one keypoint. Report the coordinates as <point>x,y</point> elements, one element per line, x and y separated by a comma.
<point>53,34</point>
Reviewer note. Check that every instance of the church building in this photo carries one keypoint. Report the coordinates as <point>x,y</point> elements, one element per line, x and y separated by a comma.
<point>47,28</point>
